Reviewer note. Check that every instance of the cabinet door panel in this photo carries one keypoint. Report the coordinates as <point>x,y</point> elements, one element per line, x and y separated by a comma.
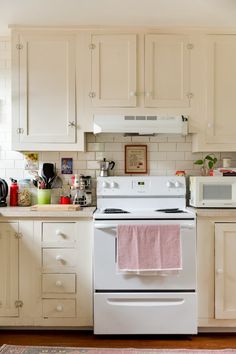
<point>47,89</point>
<point>225,275</point>
<point>9,247</point>
<point>221,89</point>
<point>113,70</point>
<point>167,64</point>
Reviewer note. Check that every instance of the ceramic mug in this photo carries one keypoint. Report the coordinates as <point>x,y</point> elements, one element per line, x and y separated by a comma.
<point>44,196</point>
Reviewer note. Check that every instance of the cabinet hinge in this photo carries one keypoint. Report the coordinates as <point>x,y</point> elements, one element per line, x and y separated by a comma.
<point>20,130</point>
<point>18,303</point>
<point>189,95</point>
<point>19,46</point>
<point>18,235</point>
<point>92,46</point>
<point>92,94</point>
<point>189,46</point>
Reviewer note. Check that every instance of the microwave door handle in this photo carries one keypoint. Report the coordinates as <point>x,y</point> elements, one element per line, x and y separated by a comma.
<point>187,226</point>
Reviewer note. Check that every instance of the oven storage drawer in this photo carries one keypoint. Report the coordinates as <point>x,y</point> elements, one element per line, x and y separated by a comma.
<point>145,313</point>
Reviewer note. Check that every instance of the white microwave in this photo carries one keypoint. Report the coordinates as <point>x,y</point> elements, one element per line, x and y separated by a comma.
<point>213,192</point>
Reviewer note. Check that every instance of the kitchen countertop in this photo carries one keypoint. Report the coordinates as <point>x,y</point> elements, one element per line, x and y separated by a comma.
<point>215,212</point>
<point>25,212</point>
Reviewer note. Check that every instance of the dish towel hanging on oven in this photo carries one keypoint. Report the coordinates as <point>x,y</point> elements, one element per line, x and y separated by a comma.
<point>149,248</point>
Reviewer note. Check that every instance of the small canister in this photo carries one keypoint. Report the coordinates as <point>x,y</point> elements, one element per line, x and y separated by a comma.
<point>24,193</point>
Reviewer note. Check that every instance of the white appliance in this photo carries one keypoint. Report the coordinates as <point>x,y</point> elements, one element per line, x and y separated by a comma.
<point>138,304</point>
<point>213,192</point>
<point>140,124</point>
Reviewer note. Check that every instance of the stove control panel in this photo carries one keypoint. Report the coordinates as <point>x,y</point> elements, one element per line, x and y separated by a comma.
<point>146,185</point>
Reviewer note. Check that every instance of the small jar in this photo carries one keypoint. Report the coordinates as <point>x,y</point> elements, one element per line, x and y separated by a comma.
<point>24,193</point>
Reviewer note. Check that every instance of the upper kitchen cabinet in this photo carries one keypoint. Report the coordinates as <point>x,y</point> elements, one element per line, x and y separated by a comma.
<point>218,132</point>
<point>144,70</point>
<point>44,91</point>
<point>113,60</point>
<point>167,71</point>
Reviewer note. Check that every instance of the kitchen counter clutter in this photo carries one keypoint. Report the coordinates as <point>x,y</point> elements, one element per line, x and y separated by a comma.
<point>26,212</point>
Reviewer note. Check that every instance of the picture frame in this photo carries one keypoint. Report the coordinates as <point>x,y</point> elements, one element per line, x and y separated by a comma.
<point>66,166</point>
<point>136,159</point>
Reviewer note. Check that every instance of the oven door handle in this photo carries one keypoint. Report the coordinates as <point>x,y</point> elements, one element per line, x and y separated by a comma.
<point>114,227</point>
<point>105,226</point>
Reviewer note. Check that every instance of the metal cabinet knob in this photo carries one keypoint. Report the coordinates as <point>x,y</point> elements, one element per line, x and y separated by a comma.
<point>219,271</point>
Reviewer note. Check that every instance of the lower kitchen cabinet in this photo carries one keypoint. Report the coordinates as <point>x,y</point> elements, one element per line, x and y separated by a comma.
<point>9,253</point>
<point>46,273</point>
<point>216,242</point>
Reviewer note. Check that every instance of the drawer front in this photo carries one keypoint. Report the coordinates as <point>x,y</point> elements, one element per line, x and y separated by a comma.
<point>59,308</point>
<point>60,232</point>
<point>59,283</point>
<point>59,258</point>
<point>145,313</point>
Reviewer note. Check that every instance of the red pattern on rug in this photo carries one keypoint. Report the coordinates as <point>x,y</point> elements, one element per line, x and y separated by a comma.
<point>18,349</point>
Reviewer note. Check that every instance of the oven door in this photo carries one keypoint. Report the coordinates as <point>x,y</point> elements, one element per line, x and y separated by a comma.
<point>106,276</point>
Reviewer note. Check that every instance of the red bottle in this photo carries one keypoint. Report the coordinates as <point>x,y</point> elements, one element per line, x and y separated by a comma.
<point>13,192</point>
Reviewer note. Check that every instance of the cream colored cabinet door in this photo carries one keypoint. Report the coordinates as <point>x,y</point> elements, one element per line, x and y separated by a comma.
<point>113,78</point>
<point>9,282</point>
<point>225,271</point>
<point>43,85</point>
<point>167,71</point>
<point>221,90</point>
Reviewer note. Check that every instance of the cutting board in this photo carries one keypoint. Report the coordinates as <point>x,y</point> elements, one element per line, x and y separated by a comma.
<point>55,207</point>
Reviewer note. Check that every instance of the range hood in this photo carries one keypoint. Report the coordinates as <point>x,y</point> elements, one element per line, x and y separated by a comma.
<point>141,125</point>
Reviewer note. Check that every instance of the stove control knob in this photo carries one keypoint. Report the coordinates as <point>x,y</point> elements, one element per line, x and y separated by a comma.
<point>177,184</point>
<point>168,184</point>
<point>114,185</point>
<point>105,185</point>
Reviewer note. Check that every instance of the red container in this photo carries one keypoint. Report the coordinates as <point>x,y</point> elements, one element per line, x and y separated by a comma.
<point>65,200</point>
<point>14,194</point>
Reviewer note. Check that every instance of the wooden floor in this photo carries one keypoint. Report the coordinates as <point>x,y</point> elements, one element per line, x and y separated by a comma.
<point>87,339</point>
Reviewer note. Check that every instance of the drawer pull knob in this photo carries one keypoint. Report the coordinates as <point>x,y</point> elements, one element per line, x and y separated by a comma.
<point>58,283</point>
<point>59,308</point>
<point>59,258</point>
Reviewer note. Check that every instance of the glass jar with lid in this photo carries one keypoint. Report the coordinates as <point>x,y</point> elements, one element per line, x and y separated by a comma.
<point>24,193</point>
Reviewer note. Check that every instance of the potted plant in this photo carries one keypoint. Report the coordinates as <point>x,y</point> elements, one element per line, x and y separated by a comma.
<point>207,164</point>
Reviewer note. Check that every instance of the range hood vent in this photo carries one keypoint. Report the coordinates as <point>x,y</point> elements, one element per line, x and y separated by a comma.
<point>141,125</point>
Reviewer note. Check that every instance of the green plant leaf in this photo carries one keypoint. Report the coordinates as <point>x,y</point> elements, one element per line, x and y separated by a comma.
<point>209,158</point>
<point>198,162</point>
<point>210,164</point>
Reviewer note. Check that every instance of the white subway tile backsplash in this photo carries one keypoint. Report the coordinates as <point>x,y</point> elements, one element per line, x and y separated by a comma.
<point>114,147</point>
<point>96,146</point>
<point>167,146</point>
<point>92,165</point>
<point>175,155</point>
<point>157,155</point>
<point>14,155</point>
<point>184,147</point>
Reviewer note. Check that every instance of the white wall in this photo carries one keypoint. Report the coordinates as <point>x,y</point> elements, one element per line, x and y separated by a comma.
<point>166,153</point>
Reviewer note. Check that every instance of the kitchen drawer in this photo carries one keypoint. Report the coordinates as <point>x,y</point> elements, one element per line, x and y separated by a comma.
<point>59,232</point>
<point>59,308</point>
<point>59,258</point>
<point>59,283</point>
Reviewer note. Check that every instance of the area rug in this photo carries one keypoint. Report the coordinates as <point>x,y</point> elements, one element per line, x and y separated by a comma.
<point>17,349</point>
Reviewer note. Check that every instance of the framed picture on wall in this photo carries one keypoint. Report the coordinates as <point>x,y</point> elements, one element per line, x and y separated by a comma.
<point>136,159</point>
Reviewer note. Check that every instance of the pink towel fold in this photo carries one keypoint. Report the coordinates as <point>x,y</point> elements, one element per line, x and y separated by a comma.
<point>148,247</point>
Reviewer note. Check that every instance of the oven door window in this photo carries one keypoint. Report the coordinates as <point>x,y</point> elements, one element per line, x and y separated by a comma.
<point>217,192</point>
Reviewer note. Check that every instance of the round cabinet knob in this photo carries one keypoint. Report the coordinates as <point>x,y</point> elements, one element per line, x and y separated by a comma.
<point>59,258</point>
<point>59,308</point>
<point>58,283</point>
<point>177,184</point>
<point>58,232</point>
<point>105,185</point>
<point>168,184</point>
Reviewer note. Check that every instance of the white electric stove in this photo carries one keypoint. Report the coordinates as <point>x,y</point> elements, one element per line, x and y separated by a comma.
<point>138,304</point>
